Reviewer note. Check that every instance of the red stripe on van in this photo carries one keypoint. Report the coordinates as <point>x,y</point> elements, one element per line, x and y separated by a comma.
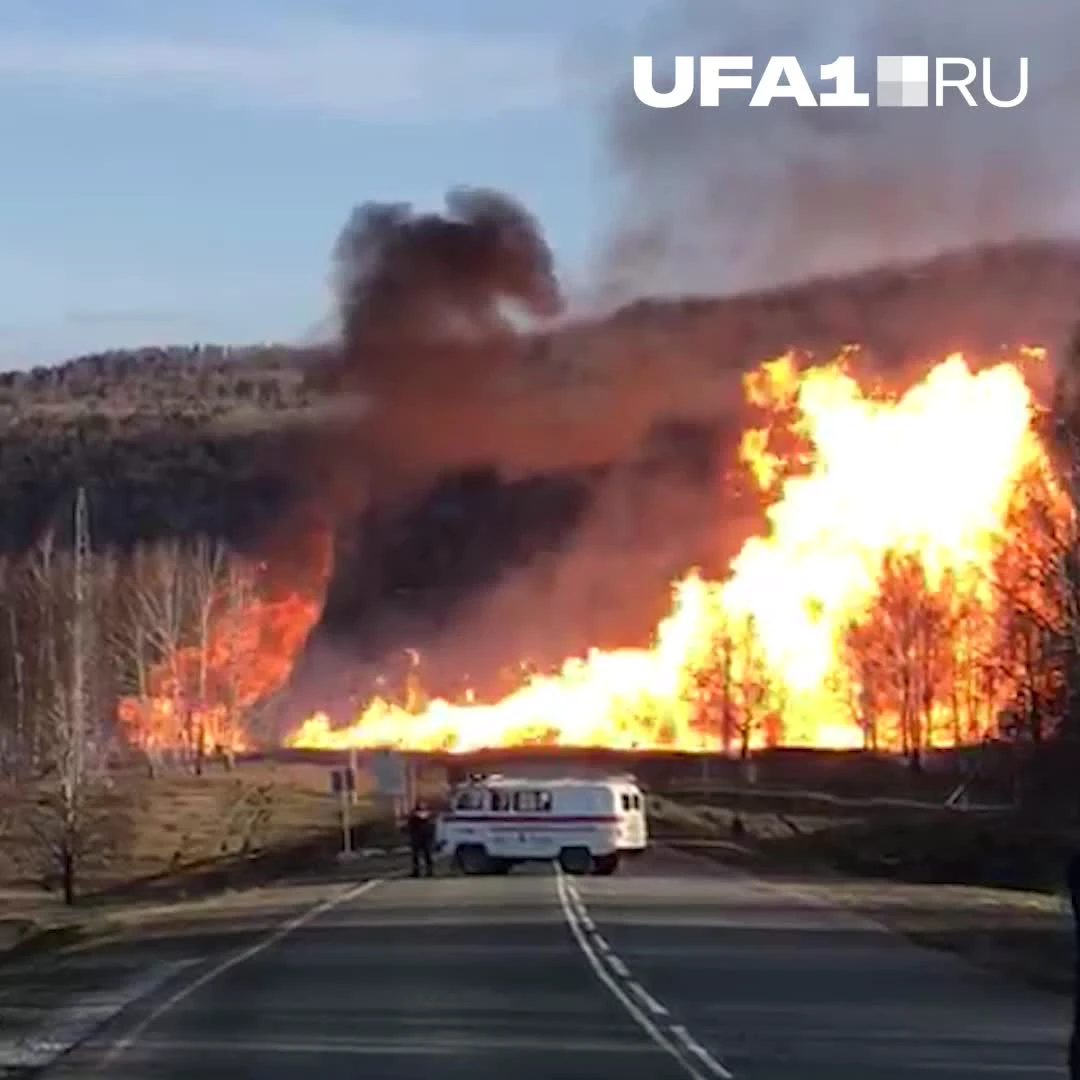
<point>519,819</point>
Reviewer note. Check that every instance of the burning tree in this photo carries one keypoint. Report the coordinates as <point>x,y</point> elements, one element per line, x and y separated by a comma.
<point>1036,576</point>
<point>895,647</point>
<point>187,634</point>
<point>148,643</point>
<point>204,639</point>
<point>735,693</point>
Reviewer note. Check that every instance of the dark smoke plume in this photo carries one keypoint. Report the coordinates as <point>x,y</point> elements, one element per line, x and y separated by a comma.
<point>432,307</point>
<point>718,200</point>
<point>433,280</point>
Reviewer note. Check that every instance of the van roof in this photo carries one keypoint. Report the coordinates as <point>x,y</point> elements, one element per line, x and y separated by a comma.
<point>502,780</point>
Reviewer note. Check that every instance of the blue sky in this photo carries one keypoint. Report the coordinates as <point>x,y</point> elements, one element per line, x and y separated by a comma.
<point>179,172</point>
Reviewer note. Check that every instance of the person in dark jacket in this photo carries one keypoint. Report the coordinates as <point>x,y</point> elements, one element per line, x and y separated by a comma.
<point>421,829</point>
<point>1074,896</point>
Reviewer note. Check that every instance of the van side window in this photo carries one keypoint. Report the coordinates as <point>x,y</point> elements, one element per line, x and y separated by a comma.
<point>500,800</point>
<point>470,800</point>
<point>637,802</point>
<point>532,802</point>
<point>626,803</point>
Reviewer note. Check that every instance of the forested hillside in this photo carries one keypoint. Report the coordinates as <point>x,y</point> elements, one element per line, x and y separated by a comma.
<point>226,442</point>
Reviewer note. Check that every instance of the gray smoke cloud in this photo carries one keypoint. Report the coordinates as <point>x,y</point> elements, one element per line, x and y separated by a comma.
<point>730,198</point>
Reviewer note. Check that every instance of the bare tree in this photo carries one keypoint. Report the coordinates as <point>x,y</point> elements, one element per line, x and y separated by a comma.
<point>14,717</point>
<point>207,572</point>
<point>752,685</point>
<point>159,616</point>
<point>864,678</point>
<point>68,812</point>
<point>712,684</point>
<point>897,654</point>
<point>240,632</point>
<point>191,641</point>
<point>1038,604</point>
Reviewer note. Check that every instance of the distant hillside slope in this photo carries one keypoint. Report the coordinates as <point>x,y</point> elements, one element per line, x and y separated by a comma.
<point>204,439</point>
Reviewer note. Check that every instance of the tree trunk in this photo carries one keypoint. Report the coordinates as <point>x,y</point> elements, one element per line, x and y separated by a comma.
<point>67,872</point>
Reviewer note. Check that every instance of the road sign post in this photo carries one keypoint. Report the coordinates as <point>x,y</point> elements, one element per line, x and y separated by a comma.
<point>390,771</point>
<point>343,784</point>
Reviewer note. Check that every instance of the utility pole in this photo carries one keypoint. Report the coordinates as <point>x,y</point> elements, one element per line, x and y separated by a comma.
<point>80,636</point>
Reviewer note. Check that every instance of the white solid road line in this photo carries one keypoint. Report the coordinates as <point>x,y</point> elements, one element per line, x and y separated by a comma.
<point>283,931</point>
<point>694,1059</point>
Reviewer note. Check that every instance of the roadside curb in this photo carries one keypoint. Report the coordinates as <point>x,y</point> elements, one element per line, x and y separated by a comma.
<point>46,939</point>
<point>79,1017</point>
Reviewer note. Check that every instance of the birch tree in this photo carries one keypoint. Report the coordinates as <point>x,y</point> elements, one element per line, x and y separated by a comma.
<point>70,816</point>
<point>159,615</point>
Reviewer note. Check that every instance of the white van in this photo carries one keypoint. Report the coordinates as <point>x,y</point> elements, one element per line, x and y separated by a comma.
<point>495,822</point>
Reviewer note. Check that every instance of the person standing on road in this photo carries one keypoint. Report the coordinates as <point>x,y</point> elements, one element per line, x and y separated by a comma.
<point>1074,896</point>
<point>421,829</point>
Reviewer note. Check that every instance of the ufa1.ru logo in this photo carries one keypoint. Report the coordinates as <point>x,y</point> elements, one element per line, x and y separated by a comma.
<point>902,82</point>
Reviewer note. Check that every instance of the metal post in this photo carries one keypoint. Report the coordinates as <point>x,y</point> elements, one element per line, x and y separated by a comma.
<point>346,818</point>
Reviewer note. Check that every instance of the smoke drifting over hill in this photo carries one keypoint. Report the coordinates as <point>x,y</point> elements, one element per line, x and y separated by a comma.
<point>521,489</point>
<point>725,199</point>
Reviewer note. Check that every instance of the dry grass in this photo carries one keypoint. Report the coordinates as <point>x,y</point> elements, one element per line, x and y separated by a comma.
<point>1024,932</point>
<point>182,820</point>
<point>188,845</point>
<point>175,827</point>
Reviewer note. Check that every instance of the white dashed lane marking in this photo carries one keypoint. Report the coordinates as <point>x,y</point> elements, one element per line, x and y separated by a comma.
<point>650,1015</point>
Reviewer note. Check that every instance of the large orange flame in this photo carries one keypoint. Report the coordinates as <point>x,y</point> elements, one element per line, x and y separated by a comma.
<point>925,480</point>
<point>198,695</point>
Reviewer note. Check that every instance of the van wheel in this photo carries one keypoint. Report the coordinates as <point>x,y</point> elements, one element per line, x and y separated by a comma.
<point>472,859</point>
<point>606,865</point>
<point>576,860</point>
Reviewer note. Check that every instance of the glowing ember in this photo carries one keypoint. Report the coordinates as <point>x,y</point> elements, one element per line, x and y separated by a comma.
<point>887,489</point>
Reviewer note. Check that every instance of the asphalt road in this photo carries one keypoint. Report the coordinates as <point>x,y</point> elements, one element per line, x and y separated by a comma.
<point>673,969</point>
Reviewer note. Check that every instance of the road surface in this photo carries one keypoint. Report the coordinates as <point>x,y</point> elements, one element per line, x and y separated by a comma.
<point>674,969</point>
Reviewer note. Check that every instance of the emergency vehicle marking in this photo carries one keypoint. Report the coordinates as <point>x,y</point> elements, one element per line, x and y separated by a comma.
<point>496,818</point>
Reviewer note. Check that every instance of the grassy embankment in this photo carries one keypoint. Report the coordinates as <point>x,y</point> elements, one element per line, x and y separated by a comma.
<point>985,885</point>
<point>178,837</point>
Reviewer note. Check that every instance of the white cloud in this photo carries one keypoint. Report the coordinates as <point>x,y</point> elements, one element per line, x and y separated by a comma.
<point>368,73</point>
